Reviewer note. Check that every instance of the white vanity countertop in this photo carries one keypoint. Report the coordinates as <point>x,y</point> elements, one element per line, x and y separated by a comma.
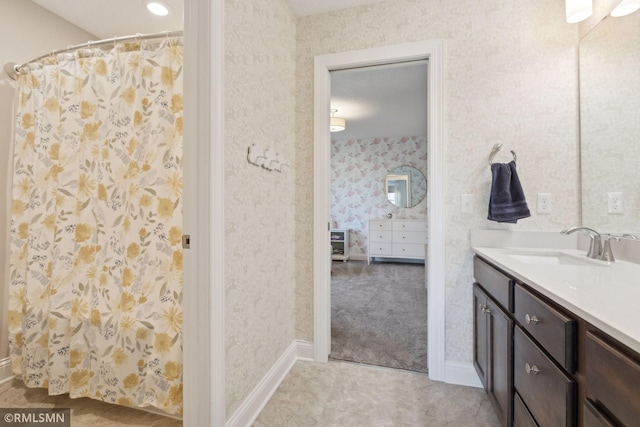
<point>607,295</point>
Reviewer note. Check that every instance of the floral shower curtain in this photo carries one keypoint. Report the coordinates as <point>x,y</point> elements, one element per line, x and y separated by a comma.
<point>96,226</point>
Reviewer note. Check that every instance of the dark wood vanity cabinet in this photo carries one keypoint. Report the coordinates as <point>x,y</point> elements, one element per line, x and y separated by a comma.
<point>543,366</point>
<point>612,382</point>
<point>492,356</point>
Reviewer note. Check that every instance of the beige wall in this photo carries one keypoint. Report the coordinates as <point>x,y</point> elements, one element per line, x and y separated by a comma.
<point>510,76</point>
<point>259,204</point>
<point>27,31</point>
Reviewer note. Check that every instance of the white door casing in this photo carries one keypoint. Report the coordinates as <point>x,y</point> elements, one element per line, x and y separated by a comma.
<point>433,51</point>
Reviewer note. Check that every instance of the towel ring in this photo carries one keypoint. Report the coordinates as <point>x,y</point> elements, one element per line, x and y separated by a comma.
<point>495,150</point>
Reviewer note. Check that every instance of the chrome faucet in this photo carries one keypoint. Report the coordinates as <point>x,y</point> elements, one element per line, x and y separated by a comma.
<point>607,252</point>
<point>595,248</point>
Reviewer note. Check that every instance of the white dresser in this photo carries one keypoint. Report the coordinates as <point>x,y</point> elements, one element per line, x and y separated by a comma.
<point>397,238</point>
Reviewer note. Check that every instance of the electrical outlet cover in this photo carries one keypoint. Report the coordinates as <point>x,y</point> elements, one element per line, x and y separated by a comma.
<point>544,203</point>
<point>616,203</point>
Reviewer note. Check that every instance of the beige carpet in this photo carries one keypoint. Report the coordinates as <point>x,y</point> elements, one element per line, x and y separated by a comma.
<point>84,412</point>
<point>379,314</point>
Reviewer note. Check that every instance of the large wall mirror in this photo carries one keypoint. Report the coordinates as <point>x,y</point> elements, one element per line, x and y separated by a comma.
<point>610,125</point>
<point>405,186</point>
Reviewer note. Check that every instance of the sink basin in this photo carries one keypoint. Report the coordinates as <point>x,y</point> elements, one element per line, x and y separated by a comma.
<point>554,258</point>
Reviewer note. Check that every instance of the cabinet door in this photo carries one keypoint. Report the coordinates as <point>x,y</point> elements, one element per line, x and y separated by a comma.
<point>480,336</point>
<point>492,352</point>
<point>500,383</point>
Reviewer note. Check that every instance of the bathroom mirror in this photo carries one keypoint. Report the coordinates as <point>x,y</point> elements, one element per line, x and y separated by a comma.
<point>405,186</point>
<point>610,125</point>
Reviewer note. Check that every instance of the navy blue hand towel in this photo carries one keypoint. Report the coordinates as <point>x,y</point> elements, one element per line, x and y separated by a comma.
<point>507,202</point>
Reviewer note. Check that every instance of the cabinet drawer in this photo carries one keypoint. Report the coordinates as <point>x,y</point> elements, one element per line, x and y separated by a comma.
<point>548,393</point>
<point>378,248</point>
<point>613,379</point>
<point>409,251</point>
<point>521,415</point>
<point>495,283</point>
<point>399,225</point>
<point>380,236</point>
<point>414,237</point>
<point>593,417</point>
<point>380,225</point>
<point>555,331</point>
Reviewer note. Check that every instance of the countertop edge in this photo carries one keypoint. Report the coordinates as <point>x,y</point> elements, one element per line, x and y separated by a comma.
<point>632,342</point>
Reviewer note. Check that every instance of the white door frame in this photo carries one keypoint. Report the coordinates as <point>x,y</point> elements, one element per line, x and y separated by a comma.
<point>433,50</point>
<point>203,330</point>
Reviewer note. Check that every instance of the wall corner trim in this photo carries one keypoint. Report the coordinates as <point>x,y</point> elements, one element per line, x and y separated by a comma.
<point>255,402</point>
<point>461,374</point>
<point>6,374</point>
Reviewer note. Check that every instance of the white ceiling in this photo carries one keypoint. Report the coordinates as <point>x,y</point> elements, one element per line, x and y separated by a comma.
<point>376,102</point>
<point>383,101</point>
<point>109,18</point>
<point>313,7</point>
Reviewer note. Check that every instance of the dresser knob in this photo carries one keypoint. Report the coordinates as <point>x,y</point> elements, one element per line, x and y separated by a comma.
<point>531,319</point>
<point>531,369</point>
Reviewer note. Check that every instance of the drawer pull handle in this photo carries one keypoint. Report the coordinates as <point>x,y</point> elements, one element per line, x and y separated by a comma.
<point>485,309</point>
<point>531,319</point>
<point>531,369</point>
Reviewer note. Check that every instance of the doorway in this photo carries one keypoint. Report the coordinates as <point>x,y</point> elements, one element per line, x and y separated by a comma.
<point>433,51</point>
<point>378,178</point>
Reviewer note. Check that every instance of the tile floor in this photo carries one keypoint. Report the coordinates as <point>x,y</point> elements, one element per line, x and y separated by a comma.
<point>348,394</point>
<point>84,412</point>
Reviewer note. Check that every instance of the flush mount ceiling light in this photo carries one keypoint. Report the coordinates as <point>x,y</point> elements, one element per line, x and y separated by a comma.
<point>578,10</point>
<point>626,7</point>
<point>337,123</point>
<point>156,7</point>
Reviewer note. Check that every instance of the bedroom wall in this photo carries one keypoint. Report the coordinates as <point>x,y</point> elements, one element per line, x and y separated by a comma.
<point>510,76</point>
<point>358,170</point>
<point>259,204</point>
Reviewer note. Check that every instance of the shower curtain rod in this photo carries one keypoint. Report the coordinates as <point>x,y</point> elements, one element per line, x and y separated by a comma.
<point>13,69</point>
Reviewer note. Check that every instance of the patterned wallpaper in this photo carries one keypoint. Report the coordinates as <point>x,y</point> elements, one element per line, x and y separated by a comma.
<point>510,77</point>
<point>358,170</point>
<point>610,117</point>
<point>259,214</point>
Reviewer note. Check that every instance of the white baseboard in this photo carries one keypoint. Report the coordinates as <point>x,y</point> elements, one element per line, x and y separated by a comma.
<point>461,374</point>
<point>6,374</point>
<point>247,413</point>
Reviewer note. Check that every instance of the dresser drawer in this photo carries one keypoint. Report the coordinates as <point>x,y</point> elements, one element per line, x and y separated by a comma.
<point>548,393</point>
<point>380,236</point>
<point>414,237</point>
<point>379,248</point>
<point>555,331</point>
<point>613,379</point>
<point>494,282</point>
<point>399,225</point>
<point>521,415</point>
<point>379,225</point>
<point>409,251</point>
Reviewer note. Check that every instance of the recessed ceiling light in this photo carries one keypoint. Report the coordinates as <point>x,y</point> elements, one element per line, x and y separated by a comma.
<point>156,7</point>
